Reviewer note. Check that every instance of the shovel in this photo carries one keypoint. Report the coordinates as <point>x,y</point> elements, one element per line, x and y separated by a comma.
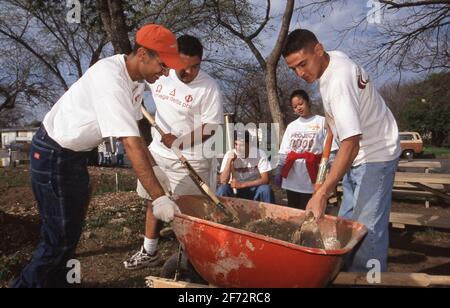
<point>309,234</point>
<point>204,188</point>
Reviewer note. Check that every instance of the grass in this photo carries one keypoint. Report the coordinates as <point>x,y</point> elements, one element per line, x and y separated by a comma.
<point>440,152</point>
<point>106,183</point>
<point>18,177</point>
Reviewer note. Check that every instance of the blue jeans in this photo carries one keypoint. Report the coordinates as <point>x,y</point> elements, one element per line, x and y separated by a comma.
<point>60,182</point>
<point>367,199</point>
<point>262,193</point>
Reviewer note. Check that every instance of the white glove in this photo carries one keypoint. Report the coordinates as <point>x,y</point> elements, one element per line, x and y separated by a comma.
<point>165,209</point>
<point>163,179</point>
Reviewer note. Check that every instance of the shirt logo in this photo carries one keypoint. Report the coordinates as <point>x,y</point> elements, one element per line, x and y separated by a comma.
<point>36,155</point>
<point>189,98</point>
<point>361,82</point>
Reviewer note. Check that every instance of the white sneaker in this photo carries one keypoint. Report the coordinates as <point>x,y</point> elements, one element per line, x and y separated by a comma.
<point>142,259</point>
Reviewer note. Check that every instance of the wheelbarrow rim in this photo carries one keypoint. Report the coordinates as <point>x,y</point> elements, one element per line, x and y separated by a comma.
<point>361,232</point>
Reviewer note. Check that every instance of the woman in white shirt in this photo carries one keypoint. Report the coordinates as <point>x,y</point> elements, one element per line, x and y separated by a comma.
<point>300,152</point>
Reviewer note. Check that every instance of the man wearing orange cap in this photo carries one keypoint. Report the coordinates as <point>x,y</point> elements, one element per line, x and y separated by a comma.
<point>104,102</point>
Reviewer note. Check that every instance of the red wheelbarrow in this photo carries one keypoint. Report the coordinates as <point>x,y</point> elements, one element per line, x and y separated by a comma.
<point>226,256</point>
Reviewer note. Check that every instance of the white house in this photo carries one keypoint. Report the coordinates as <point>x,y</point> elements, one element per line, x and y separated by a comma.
<point>13,135</point>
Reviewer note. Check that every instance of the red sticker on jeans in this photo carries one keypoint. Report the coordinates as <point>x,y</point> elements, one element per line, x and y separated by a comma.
<point>36,155</point>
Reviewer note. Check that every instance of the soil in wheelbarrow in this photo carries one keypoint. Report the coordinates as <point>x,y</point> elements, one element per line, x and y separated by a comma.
<point>281,230</point>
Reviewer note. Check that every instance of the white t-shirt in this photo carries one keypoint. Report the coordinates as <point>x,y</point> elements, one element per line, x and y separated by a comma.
<point>104,102</point>
<point>248,169</point>
<point>302,135</point>
<point>181,108</point>
<point>354,107</point>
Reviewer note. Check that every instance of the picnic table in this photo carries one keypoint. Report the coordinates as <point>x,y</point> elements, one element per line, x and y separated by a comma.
<point>426,182</point>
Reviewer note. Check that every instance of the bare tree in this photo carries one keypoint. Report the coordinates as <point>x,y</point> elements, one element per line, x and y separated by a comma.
<point>114,23</point>
<point>406,35</point>
<point>245,30</point>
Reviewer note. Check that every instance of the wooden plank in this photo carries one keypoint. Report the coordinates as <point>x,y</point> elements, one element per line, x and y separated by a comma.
<point>158,282</point>
<point>433,191</point>
<point>343,279</point>
<point>393,280</point>
<point>420,164</point>
<point>412,187</point>
<point>420,220</point>
<point>424,178</point>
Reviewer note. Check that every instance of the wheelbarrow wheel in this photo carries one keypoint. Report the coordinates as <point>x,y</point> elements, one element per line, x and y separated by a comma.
<point>186,272</point>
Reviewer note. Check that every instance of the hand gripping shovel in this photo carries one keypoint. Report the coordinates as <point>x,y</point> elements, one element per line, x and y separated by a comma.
<point>204,188</point>
<point>309,234</point>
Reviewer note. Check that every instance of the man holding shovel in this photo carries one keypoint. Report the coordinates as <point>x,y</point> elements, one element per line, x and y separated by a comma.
<point>369,144</point>
<point>188,110</point>
<point>104,102</point>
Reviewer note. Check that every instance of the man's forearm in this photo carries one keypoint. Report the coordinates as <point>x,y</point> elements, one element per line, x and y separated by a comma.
<point>191,139</point>
<point>344,159</point>
<point>264,179</point>
<point>225,175</point>
<point>140,159</point>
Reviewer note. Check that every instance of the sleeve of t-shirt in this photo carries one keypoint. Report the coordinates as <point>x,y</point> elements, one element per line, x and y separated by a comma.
<point>285,142</point>
<point>116,115</point>
<point>345,106</point>
<point>212,106</point>
<point>263,164</point>
<point>224,162</point>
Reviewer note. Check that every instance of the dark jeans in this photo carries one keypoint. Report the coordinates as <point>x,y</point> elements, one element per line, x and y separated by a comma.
<point>262,193</point>
<point>297,200</point>
<point>60,182</point>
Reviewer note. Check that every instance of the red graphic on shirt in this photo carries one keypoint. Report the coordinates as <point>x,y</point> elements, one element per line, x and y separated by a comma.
<point>173,92</point>
<point>189,98</point>
<point>36,155</point>
<point>159,88</point>
<point>302,142</point>
<point>361,82</point>
<point>137,98</point>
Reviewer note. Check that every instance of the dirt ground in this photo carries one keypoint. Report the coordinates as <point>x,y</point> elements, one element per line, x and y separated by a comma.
<point>115,226</point>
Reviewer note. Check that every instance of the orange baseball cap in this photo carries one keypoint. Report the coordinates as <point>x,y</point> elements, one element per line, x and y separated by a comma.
<point>163,41</point>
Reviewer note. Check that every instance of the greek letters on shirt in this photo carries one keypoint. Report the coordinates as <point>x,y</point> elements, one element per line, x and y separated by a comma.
<point>171,96</point>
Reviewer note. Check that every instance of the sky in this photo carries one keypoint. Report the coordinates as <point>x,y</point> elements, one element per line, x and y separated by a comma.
<point>325,24</point>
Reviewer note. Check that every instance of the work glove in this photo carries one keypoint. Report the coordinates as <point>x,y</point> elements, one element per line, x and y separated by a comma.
<point>165,209</point>
<point>163,179</point>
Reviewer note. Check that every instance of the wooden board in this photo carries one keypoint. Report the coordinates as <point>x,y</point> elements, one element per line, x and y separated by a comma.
<point>420,164</point>
<point>424,178</point>
<point>420,220</point>
<point>343,279</point>
<point>393,280</point>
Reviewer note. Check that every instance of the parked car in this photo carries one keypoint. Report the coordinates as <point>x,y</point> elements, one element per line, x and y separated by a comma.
<point>411,144</point>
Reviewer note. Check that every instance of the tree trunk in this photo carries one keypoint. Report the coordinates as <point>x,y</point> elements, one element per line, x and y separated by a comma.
<point>271,69</point>
<point>273,99</point>
<point>114,22</point>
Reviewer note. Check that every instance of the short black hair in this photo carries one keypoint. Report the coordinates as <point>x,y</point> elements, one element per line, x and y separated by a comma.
<point>297,40</point>
<point>301,94</point>
<point>151,53</point>
<point>247,136</point>
<point>190,46</point>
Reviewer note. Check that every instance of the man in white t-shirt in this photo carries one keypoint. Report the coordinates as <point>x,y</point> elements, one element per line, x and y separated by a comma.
<point>104,102</point>
<point>251,169</point>
<point>188,109</point>
<point>369,145</point>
